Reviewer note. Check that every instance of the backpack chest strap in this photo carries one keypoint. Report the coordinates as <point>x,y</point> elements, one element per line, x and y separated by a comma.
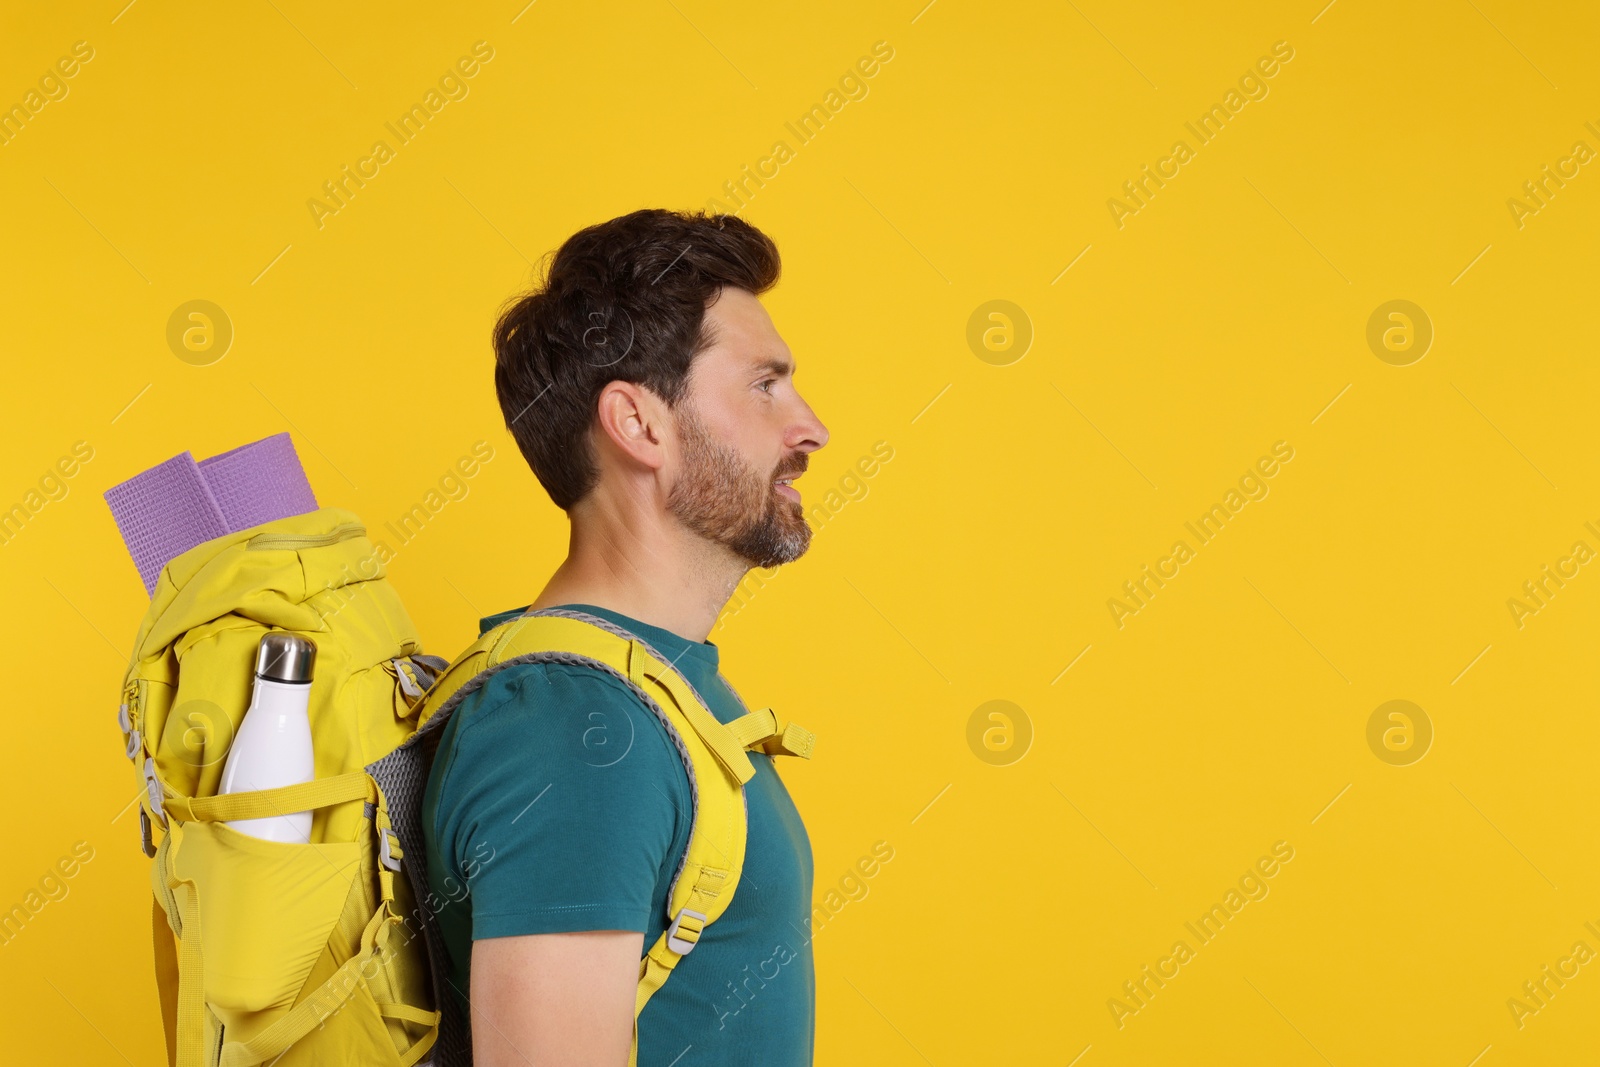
<point>764,731</point>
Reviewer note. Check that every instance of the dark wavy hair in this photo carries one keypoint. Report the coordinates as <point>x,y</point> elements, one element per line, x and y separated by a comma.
<point>623,300</point>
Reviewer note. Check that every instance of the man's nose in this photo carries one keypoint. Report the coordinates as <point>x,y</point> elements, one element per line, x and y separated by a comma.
<point>807,433</point>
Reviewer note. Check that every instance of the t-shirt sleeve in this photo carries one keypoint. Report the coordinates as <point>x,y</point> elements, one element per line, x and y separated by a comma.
<point>558,803</point>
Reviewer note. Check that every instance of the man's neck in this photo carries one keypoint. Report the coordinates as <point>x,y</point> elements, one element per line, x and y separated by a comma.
<point>658,573</point>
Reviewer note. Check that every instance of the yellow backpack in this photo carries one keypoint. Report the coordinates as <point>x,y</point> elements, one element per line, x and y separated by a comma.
<point>298,954</point>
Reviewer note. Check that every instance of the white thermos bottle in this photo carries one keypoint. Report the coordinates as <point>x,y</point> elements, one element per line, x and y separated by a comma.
<point>273,745</point>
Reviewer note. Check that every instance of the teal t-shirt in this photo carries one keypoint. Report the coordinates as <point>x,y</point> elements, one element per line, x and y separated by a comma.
<point>557,802</point>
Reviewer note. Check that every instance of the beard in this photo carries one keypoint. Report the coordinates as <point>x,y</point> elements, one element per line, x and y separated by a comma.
<point>725,500</point>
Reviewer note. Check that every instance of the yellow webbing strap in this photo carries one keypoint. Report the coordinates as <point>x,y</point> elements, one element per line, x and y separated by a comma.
<point>166,976</point>
<point>265,803</point>
<point>706,903</point>
<point>406,1013</point>
<point>765,732</point>
<point>388,842</point>
<point>729,752</point>
<point>190,1030</point>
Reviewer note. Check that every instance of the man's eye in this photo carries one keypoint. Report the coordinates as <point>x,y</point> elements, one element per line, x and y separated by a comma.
<point>765,385</point>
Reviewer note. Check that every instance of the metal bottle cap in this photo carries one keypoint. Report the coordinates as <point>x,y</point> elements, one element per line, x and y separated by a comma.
<point>285,657</point>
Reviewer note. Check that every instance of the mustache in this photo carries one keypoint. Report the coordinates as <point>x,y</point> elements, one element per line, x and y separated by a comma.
<point>793,468</point>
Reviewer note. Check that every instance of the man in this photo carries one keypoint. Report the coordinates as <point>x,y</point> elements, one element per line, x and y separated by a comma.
<point>648,390</point>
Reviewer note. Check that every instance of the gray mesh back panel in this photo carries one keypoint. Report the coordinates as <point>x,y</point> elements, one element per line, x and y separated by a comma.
<point>403,776</point>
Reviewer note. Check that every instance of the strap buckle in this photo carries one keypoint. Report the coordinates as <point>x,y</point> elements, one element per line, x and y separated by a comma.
<point>386,854</point>
<point>678,944</point>
<point>410,679</point>
<point>154,792</point>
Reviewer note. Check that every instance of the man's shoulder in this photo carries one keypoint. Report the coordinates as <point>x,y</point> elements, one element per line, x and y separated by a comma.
<point>548,688</point>
<point>557,718</point>
<point>557,793</point>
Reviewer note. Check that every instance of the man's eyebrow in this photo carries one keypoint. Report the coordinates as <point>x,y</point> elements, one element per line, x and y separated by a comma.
<point>773,365</point>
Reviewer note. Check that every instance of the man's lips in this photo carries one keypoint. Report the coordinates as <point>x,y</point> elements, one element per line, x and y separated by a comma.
<point>782,488</point>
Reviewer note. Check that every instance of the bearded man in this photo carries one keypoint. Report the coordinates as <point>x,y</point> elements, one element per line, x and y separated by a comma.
<point>648,389</point>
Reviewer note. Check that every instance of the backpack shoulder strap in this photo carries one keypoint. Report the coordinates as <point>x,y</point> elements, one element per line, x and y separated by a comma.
<point>714,755</point>
<point>708,872</point>
<point>627,655</point>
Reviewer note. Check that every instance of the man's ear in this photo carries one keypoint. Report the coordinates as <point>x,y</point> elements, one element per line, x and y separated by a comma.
<point>633,419</point>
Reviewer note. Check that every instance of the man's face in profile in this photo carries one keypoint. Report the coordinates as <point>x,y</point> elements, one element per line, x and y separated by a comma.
<point>743,433</point>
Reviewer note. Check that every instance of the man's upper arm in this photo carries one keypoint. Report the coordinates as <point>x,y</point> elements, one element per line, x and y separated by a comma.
<point>555,1000</point>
